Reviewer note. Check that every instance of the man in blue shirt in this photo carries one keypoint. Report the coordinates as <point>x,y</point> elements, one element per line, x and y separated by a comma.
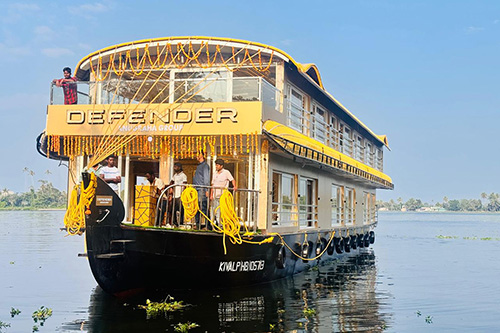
<point>202,177</point>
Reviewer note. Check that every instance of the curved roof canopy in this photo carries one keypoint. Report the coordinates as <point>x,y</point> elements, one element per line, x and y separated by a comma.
<point>197,43</point>
<point>192,46</point>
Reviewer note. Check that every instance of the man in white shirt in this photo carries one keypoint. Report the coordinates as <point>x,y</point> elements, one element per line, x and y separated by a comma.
<point>159,187</point>
<point>179,178</point>
<point>110,174</point>
<point>220,180</point>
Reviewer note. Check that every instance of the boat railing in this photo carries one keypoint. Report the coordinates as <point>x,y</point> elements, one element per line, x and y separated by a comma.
<point>115,91</point>
<point>292,214</point>
<point>170,211</point>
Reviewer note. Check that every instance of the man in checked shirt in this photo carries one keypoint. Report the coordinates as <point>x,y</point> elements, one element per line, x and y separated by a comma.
<point>69,86</point>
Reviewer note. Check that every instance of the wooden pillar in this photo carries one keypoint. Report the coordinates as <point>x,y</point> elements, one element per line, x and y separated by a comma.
<point>262,171</point>
<point>166,165</point>
<point>280,84</point>
<point>126,195</point>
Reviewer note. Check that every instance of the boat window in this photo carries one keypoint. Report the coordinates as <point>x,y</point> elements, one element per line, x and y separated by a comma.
<point>319,124</point>
<point>200,87</point>
<point>380,159</point>
<point>245,89</point>
<point>369,154</point>
<point>337,204</point>
<point>345,141</point>
<point>284,208</point>
<point>296,110</point>
<point>334,133</point>
<point>369,209</point>
<point>350,205</point>
<point>307,202</point>
<point>359,149</point>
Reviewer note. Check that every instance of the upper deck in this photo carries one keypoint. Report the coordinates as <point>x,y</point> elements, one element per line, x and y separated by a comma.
<point>203,86</point>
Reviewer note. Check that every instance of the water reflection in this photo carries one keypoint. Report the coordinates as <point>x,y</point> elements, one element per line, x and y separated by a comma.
<point>338,297</point>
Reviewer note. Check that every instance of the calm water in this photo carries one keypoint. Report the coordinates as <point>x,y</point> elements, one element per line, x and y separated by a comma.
<point>411,281</point>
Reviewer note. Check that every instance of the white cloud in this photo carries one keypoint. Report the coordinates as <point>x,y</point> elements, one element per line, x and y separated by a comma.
<point>473,29</point>
<point>84,46</point>
<point>496,21</point>
<point>17,11</point>
<point>22,7</point>
<point>56,52</point>
<point>287,42</point>
<point>44,32</point>
<point>88,10</point>
<point>11,51</point>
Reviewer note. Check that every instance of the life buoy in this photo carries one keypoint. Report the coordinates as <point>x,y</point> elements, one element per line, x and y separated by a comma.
<point>281,257</point>
<point>372,237</point>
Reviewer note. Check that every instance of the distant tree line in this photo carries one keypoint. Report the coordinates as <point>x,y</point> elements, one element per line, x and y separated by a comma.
<point>486,203</point>
<point>46,196</point>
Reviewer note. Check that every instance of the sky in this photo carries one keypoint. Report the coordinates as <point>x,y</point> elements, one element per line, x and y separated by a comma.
<point>425,73</point>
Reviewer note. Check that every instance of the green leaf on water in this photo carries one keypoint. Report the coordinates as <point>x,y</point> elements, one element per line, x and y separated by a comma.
<point>14,312</point>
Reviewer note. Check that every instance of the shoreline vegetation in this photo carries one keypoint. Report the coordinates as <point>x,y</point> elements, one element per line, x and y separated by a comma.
<point>487,203</point>
<point>46,197</point>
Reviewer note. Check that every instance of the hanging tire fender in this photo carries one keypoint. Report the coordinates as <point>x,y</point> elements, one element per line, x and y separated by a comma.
<point>372,237</point>
<point>281,257</point>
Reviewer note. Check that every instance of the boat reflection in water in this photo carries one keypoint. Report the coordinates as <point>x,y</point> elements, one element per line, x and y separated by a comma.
<point>342,295</point>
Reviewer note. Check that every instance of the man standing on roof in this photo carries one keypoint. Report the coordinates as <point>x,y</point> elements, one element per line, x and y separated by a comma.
<point>69,86</point>
<point>220,180</point>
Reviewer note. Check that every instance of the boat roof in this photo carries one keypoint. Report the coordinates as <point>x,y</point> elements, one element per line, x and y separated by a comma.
<point>309,71</point>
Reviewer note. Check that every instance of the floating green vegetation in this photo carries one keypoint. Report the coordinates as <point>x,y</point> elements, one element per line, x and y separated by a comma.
<point>418,313</point>
<point>40,316</point>
<point>185,327</point>
<point>470,238</point>
<point>35,328</point>
<point>154,309</point>
<point>14,312</point>
<point>3,325</point>
<point>12,262</point>
<point>428,319</point>
<point>446,237</point>
<point>309,312</point>
<point>281,311</point>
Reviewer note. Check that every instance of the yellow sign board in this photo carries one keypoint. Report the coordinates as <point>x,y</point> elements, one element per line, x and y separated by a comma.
<point>155,119</point>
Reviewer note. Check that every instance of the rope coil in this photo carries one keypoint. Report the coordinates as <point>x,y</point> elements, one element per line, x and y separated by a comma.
<point>74,219</point>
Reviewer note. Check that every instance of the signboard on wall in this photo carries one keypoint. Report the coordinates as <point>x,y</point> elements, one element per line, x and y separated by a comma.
<point>155,119</point>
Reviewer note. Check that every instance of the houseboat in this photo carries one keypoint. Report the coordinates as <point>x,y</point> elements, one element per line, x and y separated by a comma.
<point>305,169</point>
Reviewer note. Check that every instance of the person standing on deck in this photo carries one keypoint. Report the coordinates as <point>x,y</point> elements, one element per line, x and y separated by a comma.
<point>111,175</point>
<point>179,178</point>
<point>69,86</point>
<point>221,179</point>
<point>159,187</point>
<point>202,177</point>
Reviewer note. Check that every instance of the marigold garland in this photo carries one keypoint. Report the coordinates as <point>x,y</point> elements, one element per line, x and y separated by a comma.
<point>137,63</point>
